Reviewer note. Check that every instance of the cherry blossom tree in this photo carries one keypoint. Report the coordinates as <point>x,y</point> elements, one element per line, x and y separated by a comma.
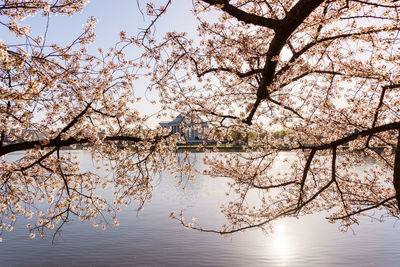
<point>326,72</point>
<point>54,97</point>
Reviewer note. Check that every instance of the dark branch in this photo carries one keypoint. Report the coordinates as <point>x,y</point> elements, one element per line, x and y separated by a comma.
<point>244,16</point>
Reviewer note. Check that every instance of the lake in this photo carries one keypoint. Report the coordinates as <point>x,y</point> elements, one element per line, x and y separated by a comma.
<point>151,238</point>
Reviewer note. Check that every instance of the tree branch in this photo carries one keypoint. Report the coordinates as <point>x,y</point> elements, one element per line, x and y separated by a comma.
<point>244,16</point>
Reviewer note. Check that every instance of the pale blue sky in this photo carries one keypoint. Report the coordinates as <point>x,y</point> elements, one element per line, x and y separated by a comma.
<point>114,16</point>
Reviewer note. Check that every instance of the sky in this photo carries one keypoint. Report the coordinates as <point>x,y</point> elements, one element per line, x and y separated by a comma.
<point>114,16</point>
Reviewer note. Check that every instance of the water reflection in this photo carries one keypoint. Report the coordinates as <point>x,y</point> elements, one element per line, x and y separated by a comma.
<point>151,238</point>
<point>280,241</point>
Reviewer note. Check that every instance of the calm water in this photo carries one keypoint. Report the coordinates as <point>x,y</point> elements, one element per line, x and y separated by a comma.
<point>150,238</point>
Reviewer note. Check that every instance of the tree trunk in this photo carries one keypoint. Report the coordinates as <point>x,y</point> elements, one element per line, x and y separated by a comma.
<point>396,171</point>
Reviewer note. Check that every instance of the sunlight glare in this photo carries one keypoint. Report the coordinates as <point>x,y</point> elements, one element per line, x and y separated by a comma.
<point>281,245</point>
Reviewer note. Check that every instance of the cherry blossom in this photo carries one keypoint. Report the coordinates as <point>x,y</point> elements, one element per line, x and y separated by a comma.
<point>325,72</point>
<point>55,97</point>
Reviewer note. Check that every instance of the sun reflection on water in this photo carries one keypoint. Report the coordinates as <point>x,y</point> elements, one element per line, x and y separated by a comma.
<point>281,244</point>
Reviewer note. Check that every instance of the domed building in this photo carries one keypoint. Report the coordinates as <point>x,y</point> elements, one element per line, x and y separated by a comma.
<point>190,127</point>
